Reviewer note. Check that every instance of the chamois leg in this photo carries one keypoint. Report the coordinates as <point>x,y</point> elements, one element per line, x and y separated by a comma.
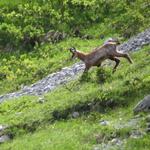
<point>117,63</point>
<point>125,55</point>
<point>86,69</point>
<point>84,76</point>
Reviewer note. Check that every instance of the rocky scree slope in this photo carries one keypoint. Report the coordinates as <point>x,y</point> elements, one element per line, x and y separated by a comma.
<point>54,80</point>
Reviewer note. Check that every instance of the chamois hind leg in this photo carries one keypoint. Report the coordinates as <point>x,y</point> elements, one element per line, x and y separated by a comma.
<point>117,63</point>
<point>125,55</point>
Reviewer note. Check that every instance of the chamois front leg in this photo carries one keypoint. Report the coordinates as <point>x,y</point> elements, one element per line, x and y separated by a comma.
<point>117,63</point>
<point>87,67</point>
<point>85,73</point>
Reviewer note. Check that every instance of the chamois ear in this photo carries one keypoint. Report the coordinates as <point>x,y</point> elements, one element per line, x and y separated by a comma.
<point>72,49</point>
<point>116,40</point>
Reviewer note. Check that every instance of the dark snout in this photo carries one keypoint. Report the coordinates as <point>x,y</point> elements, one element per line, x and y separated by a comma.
<point>73,51</point>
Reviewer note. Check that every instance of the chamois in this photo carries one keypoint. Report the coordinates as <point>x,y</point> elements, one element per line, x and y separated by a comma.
<point>107,51</point>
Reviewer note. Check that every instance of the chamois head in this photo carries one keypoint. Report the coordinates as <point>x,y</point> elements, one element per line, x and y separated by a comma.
<point>113,40</point>
<point>73,51</point>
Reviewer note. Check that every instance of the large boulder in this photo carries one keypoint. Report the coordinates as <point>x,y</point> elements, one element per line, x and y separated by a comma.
<point>3,137</point>
<point>143,105</point>
<point>54,36</point>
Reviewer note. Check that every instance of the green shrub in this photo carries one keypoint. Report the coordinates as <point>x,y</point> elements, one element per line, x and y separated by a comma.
<point>31,36</point>
<point>10,35</point>
<point>129,23</point>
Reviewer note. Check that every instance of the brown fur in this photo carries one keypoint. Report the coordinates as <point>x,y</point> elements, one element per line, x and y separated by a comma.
<point>99,54</point>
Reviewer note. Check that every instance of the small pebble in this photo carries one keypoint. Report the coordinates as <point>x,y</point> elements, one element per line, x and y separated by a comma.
<point>104,123</point>
<point>96,148</point>
<point>41,100</point>
<point>116,141</point>
<point>75,114</point>
<point>148,124</point>
<point>4,138</point>
<point>148,130</point>
<point>136,134</point>
<point>148,118</point>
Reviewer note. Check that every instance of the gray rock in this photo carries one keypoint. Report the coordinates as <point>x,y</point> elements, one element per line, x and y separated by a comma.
<point>75,114</point>
<point>148,130</point>
<point>53,36</point>
<point>116,141</point>
<point>137,116</point>
<point>133,123</point>
<point>104,123</point>
<point>148,125</point>
<point>96,148</point>
<point>4,138</point>
<point>148,118</point>
<point>143,105</point>
<point>41,100</point>
<point>3,127</point>
<point>136,134</point>
<point>111,145</point>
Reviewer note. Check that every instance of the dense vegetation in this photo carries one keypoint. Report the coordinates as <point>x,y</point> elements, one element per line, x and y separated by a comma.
<point>31,20</point>
<point>25,57</point>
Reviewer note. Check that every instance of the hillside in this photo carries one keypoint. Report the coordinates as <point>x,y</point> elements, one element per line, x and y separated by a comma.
<point>45,103</point>
<point>71,117</point>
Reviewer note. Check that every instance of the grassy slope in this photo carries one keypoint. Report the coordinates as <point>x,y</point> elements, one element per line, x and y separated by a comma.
<point>37,126</point>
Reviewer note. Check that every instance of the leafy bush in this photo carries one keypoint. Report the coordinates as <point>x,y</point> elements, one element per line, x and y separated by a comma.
<point>31,36</point>
<point>129,23</point>
<point>34,18</point>
<point>10,34</point>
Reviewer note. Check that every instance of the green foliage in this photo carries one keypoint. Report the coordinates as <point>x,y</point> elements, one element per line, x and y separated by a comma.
<point>10,35</point>
<point>129,23</point>
<point>32,36</point>
<point>37,17</point>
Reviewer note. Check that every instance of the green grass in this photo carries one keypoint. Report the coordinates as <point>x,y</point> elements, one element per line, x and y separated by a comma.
<point>48,125</point>
<point>81,133</point>
<point>11,2</point>
<point>137,144</point>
